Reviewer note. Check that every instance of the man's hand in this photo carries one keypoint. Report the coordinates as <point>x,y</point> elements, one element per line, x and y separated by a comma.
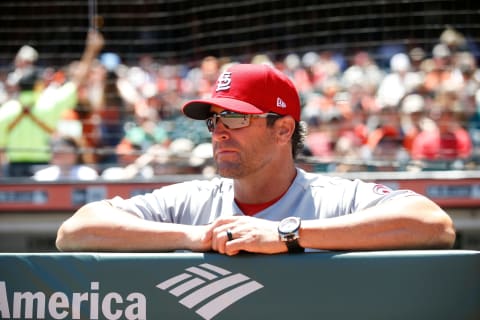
<point>248,233</point>
<point>196,240</point>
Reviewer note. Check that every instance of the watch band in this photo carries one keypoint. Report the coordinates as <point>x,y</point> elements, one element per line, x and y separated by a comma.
<point>293,246</point>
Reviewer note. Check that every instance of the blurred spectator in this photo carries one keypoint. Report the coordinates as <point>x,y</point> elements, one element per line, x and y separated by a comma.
<point>399,82</point>
<point>363,72</point>
<point>300,71</point>
<point>28,121</point>
<point>201,159</point>
<point>179,153</point>
<point>195,131</point>
<point>416,55</point>
<point>24,67</point>
<point>291,64</point>
<point>361,80</point>
<point>321,138</point>
<point>385,142</point>
<point>101,110</point>
<point>113,112</point>
<point>146,127</point>
<point>321,68</point>
<point>145,132</point>
<point>386,51</point>
<point>447,141</point>
<point>467,82</point>
<point>414,119</point>
<point>180,157</point>
<point>438,70</point>
<point>312,112</point>
<point>474,127</point>
<point>453,39</point>
<point>66,163</point>
<point>201,80</point>
<point>134,163</point>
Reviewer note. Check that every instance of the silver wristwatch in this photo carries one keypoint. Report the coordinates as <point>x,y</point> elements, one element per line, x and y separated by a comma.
<point>288,230</point>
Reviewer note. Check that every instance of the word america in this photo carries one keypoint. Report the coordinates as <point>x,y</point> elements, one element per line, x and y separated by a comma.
<point>59,305</point>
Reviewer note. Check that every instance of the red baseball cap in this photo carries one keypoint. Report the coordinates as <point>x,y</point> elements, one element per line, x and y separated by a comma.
<point>249,89</point>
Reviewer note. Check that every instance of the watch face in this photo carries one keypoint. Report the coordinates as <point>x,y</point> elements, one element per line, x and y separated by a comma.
<point>289,225</point>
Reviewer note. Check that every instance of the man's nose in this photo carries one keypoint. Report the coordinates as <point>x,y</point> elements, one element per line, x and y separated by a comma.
<point>220,131</point>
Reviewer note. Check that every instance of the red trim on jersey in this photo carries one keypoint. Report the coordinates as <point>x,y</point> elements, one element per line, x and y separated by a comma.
<point>251,209</point>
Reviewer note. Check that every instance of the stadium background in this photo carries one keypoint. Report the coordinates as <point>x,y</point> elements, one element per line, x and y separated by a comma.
<point>184,32</point>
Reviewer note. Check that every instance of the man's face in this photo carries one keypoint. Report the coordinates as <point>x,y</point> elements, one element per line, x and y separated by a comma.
<point>241,152</point>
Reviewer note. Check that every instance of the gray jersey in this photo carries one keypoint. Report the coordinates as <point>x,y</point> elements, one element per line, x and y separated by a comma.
<point>311,196</point>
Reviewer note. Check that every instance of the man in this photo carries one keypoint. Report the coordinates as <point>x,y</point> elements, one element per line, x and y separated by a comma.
<point>28,121</point>
<point>262,203</point>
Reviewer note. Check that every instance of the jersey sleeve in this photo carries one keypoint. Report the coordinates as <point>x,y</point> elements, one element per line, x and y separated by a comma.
<point>362,195</point>
<point>195,202</point>
<point>336,197</point>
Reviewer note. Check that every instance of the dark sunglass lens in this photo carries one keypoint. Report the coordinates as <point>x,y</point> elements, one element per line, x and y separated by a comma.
<point>210,124</point>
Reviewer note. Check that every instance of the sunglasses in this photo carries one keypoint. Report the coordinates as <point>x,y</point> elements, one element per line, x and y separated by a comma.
<point>233,120</point>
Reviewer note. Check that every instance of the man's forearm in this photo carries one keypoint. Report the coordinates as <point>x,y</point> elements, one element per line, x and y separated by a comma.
<point>100,227</point>
<point>408,223</point>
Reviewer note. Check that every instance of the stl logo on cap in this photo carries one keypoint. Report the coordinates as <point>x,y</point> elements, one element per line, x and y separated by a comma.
<point>224,81</point>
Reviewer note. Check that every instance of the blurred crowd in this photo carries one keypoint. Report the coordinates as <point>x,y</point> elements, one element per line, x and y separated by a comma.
<point>417,109</point>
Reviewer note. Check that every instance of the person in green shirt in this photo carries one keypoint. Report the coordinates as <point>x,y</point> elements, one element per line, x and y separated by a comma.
<point>28,121</point>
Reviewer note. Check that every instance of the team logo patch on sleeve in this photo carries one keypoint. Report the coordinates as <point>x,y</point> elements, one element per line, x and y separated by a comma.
<point>381,189</point>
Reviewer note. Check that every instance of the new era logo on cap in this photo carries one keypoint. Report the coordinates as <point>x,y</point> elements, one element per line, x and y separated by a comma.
<point>249,89</point>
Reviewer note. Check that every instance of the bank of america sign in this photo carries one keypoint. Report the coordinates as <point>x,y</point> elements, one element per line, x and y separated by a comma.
<point>205,289</point>
<point>208,289</point>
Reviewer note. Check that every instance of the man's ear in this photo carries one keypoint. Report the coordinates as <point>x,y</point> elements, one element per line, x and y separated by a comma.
<point>285,127</point>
